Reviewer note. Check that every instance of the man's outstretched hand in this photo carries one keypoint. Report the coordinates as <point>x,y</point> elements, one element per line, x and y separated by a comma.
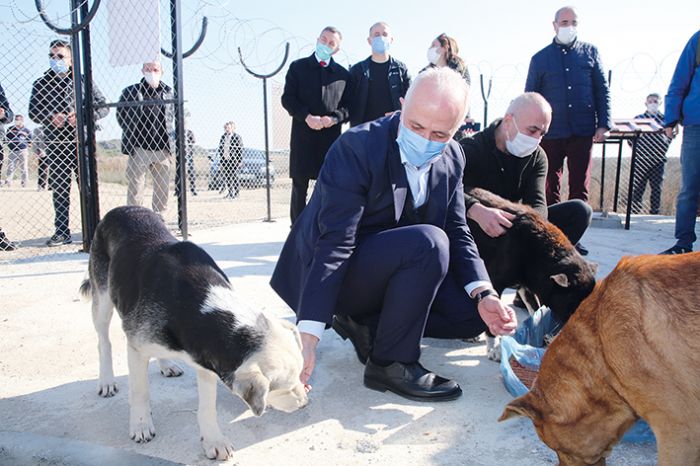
<point>499,318</point>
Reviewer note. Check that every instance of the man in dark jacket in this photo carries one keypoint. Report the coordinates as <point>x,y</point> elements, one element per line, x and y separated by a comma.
<point>378,82</point>
<point>6,116</point>
<point>506,159</point>
<point>316,95</point>
<point>384,246</point>
<point>570,75</point>
<point>52,104</point>
<point>651,159</point>
<point>146,136</point>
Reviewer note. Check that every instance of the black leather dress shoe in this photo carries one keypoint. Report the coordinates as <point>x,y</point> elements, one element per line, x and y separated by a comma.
<point>359,335</point>
<point>411,381</point>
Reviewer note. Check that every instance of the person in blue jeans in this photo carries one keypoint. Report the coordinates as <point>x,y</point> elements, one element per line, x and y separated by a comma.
<point>683,107</point>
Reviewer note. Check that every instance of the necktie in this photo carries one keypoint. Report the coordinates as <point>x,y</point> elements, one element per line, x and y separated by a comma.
<point>322,63</point>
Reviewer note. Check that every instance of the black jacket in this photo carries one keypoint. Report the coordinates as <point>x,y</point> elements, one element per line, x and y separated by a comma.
<point>399,81</point>
<point>514,178</point>
<point>53,94</point>
<point>235,150</point>
<point>146,126</point>
<point>312,89</point>
<point>5,105</point>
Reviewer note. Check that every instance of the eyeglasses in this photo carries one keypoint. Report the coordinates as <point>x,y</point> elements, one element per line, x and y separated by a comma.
<point>59,56</point>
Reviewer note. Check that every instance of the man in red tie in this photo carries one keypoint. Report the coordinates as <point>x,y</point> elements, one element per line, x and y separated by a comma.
<point>316,95</point>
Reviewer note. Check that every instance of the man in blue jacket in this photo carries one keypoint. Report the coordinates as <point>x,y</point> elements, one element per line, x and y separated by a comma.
<point>379,81</point>
<point>570,75</point>
<point>683,107</point>
<point>383,245</point>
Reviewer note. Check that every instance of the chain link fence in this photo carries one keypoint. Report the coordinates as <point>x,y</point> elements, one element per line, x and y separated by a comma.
<point>225,166</point>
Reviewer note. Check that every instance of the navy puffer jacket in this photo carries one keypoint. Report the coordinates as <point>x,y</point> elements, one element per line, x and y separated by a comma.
<point>572,79</point>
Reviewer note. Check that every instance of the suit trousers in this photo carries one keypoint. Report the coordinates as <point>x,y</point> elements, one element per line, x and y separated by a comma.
<point>158,163</point>
<point>396,285</point>
<point>300,188</point>
<point>577,151</point>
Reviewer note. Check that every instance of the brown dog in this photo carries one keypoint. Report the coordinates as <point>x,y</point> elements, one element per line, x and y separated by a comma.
<point>631,350</point>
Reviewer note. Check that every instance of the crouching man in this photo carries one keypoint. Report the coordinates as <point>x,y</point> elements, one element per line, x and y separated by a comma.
<point>384,246</point>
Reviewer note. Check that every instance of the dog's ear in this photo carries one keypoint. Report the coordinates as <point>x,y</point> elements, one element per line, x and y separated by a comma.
<point>522,406</point>
<point>253,388</point>
<point>293,328</point>
<point>593,266</point>
<point>560,279</point>
<point>262,323</point>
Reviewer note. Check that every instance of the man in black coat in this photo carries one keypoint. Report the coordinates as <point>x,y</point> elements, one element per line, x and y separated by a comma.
<point>52,104</point>
<point>316,95</point>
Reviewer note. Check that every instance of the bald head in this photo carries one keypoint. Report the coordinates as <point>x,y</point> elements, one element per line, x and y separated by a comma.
<point>530,103</point>
<point>529,114</point>
<point>441,92</point>
<point>567,10</point>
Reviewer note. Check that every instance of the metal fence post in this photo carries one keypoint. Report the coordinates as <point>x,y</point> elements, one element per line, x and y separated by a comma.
<point>267,145</point>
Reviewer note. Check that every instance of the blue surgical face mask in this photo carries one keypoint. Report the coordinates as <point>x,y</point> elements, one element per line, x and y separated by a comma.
<point>323,51</point>
<point>58,65</point>
<point>381,44</point>
<point>416,149</point>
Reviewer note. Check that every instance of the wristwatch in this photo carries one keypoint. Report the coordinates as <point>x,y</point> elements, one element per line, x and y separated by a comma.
<point>487,292</point>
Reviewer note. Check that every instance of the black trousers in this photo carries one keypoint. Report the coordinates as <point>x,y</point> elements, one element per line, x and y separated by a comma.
<point>300,188</point>
<point>42,172</point>
<point>572,217</point>
<point>63,161</point>
<point>398,283</point>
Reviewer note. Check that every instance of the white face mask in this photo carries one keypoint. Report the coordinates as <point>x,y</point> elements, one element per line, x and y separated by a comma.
<point>653,108</point>
<point>433,55</point>
<point>152,78</point>
<point>521,145</point>
<point>566,34</point>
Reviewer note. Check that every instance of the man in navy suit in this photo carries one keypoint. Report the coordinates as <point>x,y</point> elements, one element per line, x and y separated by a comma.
<point>384,247</point>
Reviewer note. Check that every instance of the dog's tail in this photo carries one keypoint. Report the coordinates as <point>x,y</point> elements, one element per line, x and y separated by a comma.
<point>85,288</point>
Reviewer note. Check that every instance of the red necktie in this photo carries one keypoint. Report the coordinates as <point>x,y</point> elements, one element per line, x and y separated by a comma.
<point>322,63</point>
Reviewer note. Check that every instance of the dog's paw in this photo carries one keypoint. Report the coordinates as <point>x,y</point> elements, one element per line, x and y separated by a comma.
<point>169,369</point>
<point>217,447</point>
<point>493,349</point>
<point>142,430</point>
<point>107,389</point>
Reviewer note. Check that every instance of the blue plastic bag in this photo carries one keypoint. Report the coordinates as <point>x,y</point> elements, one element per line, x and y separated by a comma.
<point>526,347</point>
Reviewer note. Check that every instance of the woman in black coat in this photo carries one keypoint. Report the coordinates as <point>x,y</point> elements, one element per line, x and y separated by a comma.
<point>231,158</point>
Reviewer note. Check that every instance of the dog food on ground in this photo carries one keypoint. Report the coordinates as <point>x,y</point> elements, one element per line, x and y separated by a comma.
<point>526,375</point>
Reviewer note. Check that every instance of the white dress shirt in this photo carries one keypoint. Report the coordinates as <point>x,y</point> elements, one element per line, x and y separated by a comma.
<point>418,185</point>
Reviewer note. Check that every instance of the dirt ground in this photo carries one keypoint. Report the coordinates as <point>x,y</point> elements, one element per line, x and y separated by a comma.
<point>49,365</point>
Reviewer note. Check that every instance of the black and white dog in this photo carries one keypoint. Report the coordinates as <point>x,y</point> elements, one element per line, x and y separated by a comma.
<point>175,302</point>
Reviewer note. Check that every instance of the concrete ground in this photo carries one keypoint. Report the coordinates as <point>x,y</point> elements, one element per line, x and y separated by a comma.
<point>50,412</point>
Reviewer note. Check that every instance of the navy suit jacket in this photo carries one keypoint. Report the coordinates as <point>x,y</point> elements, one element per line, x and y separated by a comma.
<point>361,190</point>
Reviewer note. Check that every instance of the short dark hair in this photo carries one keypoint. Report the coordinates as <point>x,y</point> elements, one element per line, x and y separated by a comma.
<point>332,30</point>
<point>19,116</point>
<point>60,43</point>
<point>654,94</point>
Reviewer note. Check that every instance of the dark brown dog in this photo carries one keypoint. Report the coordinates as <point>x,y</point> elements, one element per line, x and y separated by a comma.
<point>631,350</point>
<point>534,254</point>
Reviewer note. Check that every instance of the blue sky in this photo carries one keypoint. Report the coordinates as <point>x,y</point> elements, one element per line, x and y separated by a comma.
<point>640,42</point>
